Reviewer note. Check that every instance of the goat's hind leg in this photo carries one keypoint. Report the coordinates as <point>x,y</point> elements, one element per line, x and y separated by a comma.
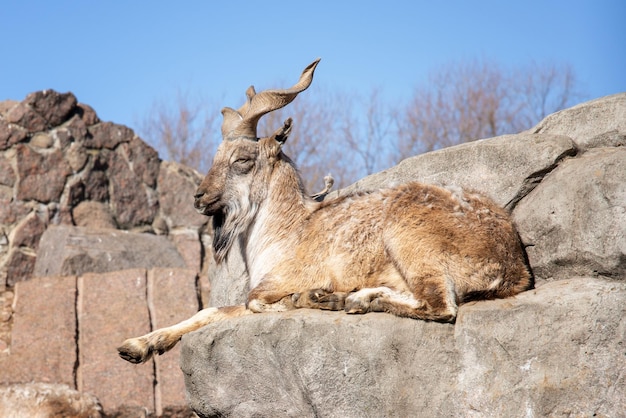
<point>320,299</point>
<point>141,349</point>
<point>434,300</point>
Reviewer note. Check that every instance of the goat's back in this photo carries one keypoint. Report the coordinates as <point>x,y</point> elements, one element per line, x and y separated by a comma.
<point>398,236</point>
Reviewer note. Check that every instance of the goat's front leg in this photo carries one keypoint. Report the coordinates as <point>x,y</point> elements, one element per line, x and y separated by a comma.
<point>270,301</point>
<point>141,349</point>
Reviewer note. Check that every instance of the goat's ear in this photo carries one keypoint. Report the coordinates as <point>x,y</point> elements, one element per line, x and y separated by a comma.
<point>283,132</point>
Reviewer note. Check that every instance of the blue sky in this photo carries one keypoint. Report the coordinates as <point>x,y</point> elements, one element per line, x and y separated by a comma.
<point>122,56</point>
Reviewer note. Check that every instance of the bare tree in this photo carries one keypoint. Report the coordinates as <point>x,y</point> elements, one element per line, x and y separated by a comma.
<point>479,99</point>
<point>186,131</point>
<point>315,140</point>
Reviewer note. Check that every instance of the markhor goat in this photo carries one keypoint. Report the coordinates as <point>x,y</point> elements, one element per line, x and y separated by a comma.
<point>415,250</point>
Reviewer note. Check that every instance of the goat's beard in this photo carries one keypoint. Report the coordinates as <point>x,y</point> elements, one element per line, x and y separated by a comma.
<point>229,224</point>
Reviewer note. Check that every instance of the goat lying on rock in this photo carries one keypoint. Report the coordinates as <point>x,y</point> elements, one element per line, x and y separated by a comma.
<point>415,250</point>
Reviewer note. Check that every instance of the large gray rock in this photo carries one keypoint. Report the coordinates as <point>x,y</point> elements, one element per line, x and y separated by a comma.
<point>66,250</point>
<point>597,123</point>
<point>574,222</point>
<point>504,168</point>
<point>557,350</point>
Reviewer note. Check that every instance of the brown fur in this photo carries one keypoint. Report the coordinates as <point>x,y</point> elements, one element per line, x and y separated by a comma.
<point>415,250</point>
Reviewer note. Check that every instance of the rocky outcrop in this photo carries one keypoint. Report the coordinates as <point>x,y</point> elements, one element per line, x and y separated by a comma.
<point>552,351</point>
<point>45,400</point>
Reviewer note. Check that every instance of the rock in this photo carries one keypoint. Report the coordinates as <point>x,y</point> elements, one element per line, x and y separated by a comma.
<point>44,323</point>
<point>91,214</point>
<point>144,160</point>
<point>10,134</point>
<point>7,174</point>
<point>67,250</point>
<point>108,135</point>
<point>76,157</point>
<point>24,116</point>
<point>597,123</point>
<point>74,130</point>
<point>188,245</point>
<point>87,114</point>
<point>41,176</point>
<point>504,168</point>
<point>555,350</point>
<point>131,202</point>
<point>173,298</point>
<point>177,186</point>
<point>101,371</point>
<point>7,105</point>
<point>29,231</point>
<point>19,265</point>
<point>41,140</point>
<point>574,222</point>
<point>96,180</point>
<point>43,400</point>
<point>54,107</point>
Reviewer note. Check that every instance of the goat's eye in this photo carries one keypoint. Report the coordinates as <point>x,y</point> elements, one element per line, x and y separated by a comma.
<point>243,165</point>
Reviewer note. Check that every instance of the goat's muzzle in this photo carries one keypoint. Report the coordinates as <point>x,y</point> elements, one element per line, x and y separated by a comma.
<point>207,205</point>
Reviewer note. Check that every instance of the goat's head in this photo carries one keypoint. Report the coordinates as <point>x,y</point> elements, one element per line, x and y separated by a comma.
<point>243,162</point>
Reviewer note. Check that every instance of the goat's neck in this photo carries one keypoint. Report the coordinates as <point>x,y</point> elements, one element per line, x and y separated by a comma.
<point>279,217</point>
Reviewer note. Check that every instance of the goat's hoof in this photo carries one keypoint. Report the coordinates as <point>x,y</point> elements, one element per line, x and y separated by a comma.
<point>332,301</point>
<point>317,295</point>
<point>352,306</point>
<point>134,352</point>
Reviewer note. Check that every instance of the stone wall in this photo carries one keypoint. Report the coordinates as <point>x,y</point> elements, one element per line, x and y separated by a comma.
<point>99,242</point>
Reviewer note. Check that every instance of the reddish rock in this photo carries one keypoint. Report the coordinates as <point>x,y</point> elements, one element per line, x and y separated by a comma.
<point>7,174</point>
<point>77,127</point>
<point>20,266</point>
<point>145,161</point>
<point>29,231</point>
<point>129,197</point>
<point>43,339</point>
<point>10,134</point>
<point>41,176</point>
<point>38,399</point>
<point>173,299</point>
<point>177,186</point>
<point>11,210</point>
<point>87,114</point>
<point>76,156</point>
<point>111,308</point>
<point>24,116</point>
<point>54,107</point>
<point>108,135</point>
<point>7,105</point>
<point>93,215</point>
<point>96,179</point>
<point>188,245</point>
<point>41,140</point>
